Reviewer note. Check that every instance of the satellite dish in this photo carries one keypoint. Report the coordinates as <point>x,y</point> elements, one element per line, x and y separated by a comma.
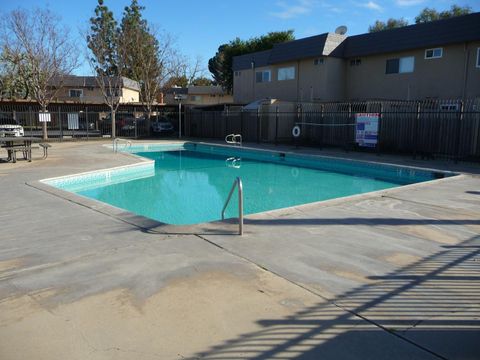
<point>341,30</point>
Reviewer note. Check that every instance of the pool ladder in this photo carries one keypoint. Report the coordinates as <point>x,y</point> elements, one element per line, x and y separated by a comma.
<point>236,183</point>
<point>128,143</point>
<point>234,139</point>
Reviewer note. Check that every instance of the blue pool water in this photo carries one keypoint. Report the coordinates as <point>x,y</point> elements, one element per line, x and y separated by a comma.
<point>189,185</point>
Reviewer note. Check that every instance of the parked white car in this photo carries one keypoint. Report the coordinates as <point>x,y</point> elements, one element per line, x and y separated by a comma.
<point>11,130</point>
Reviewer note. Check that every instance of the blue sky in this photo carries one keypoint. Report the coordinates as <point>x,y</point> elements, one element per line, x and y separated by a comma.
<point>201,26</point>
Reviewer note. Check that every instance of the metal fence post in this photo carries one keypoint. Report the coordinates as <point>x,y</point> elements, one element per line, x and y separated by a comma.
<point>380,121</point>
<point>60,122</point>
<point>276,125</point>
<point>31,120</point>
<point>259,126</point>
<point>459,132</point>
<point>416,130</point>
<point>241,122</point>
<point>86,119</point>
<point>322,123</point>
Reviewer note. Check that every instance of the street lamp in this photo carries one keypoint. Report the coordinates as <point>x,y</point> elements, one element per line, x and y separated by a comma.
<point>179,97</point>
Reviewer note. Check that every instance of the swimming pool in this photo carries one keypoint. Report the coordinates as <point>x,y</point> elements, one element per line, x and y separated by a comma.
<point>189,183</point>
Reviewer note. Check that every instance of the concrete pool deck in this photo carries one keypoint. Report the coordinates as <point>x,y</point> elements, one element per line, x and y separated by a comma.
<point>384,276</point>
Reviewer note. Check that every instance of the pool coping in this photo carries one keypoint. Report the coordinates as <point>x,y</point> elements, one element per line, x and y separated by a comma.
<point>227,226</point>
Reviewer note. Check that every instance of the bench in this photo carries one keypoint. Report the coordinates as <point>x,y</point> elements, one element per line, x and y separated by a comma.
<point>45,147</point>
<point>12,152</point>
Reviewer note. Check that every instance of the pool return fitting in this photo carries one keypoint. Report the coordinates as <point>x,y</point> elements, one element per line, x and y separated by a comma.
<point>236,183</point>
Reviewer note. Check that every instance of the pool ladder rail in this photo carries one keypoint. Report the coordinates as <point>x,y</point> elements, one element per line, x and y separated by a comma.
<point>237,183</point>
<point>128,144</point>
<point>234,139</point>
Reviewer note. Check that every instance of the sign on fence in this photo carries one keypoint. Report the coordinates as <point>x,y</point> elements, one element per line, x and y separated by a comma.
<point>366,129</point>
<point>44,117</point>
<point>72,121</point>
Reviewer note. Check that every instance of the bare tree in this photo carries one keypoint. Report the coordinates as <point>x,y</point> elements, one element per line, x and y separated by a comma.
<point>106,57</point>
<point>42,50</point>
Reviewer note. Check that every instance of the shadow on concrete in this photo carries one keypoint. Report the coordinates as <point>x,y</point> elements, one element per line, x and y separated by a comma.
<point>430,309</point>
<point>360,221</point>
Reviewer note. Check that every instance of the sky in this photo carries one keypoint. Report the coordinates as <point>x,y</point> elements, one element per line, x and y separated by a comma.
<point>200,26</point>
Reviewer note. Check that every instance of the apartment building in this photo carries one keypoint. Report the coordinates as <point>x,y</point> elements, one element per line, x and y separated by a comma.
<point>440,59</point>
<point>85,89</point>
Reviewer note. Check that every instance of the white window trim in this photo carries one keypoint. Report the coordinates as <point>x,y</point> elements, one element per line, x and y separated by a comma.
<point>434,57</point>
<point>477,64</point>
<point>70,94</point>
<point>286,68</point>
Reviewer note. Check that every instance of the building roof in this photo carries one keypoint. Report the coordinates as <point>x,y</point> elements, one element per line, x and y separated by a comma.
<point>205,90</point>
<point>91,81</point>
<point>313,46</point>
<point>196,90</point>
<point>259,59</point>
<point>441,32</point>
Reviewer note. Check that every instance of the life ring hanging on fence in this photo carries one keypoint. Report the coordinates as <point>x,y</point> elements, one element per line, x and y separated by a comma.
<point>296,131</point>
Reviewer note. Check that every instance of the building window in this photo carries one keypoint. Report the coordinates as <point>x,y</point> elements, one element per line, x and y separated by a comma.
<point>263,76</point>
<point>286,73</point>
<point>400,66</point>
<point>478,57</point>
<point>433,53</point>
<point>75,93</point>
<point>237,73</point>
<point>195,97</point>
<point>355,62</point>
<point>318,61</point>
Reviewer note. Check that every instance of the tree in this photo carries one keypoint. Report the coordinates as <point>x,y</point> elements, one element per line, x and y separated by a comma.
<point>202,81</point>
<point>39,52</point>
<point>107,57</point>
<point>14,78</point>
<point>389,24</point>
<point>427,14</point>
<point>221,64</point>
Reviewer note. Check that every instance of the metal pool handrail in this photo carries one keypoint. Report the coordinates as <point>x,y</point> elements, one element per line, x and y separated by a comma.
<point>237,182</point>
<point>128,143</point>
<point>235,139</point>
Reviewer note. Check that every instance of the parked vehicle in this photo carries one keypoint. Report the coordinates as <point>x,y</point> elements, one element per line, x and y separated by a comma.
<point>162,126</point>
<point>10,127</point>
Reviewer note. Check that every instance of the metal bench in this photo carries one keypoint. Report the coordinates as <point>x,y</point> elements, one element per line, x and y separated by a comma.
<point>45,147</point>
<point>12,152</point>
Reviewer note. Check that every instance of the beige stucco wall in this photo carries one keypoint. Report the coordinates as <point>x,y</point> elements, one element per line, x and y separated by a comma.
<point>93,94</point>
<point>336,80</point>
<point>312,82</point>
<point>432,78</point>
<point>129,96</point>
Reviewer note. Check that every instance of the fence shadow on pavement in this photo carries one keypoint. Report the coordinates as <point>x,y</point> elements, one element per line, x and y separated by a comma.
<point>429,309</point>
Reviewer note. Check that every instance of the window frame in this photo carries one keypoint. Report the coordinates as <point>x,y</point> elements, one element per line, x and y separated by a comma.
<point>263,72</point>
<point>75,97</point>
<point>318,61</point>
<point>286,69</point>
<point>433,53</point>
<point>477,63</point>
<point>397,63</point>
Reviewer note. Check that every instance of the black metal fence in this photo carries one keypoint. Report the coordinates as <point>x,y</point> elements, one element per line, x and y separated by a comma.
<point>447,128</point>
<point>76,121</point>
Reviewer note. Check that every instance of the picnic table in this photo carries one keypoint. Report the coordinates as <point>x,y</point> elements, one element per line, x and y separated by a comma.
<point>18,144</point>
